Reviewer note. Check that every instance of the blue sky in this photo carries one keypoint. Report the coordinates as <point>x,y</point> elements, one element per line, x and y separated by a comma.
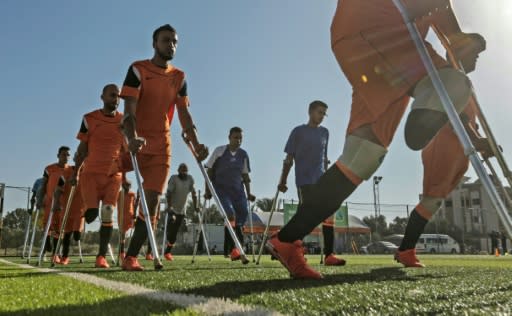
<point>253,64</point>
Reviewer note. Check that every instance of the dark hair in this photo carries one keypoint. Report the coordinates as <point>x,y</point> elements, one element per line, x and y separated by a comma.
<point>108,86</point>
<point>182,165</point>
<point>63,148</point>
<point>315,104</point>
<point>235,129</point>
<point>166,27</point>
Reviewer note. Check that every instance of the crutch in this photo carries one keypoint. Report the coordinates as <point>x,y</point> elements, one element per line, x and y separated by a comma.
<point>120,220</point>
<point>496,149</point>
<point>45,233</point>
<point>80,252</point>
<point>34,228</point>
<point>243,256</point>
<point>201,232</point>
<point>164,238</point>
<point>63,224</point>
<point>27,233</point>
<point>458,128</point>
<point>251,228</point>
<point>111,253</point>
<point>265,233</point>
<point>156,260</point>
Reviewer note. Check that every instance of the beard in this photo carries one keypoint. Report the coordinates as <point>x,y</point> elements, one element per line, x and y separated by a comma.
<point>165,56</point>
<point>182,176</point>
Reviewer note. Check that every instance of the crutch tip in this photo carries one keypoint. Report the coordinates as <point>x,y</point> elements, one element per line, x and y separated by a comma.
<point>158,265</point>
<point>244,260</point>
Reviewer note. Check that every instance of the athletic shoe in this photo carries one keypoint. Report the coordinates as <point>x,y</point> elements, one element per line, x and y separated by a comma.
<point>331,260</point>
<point>64,261</point>
<point>56,259</point>
<point>168,256</point>
<point>291,257</point>
<point>131,263</point>
<point>408,258</point>
<point>101,262</point>
<point>149,257</point>
<point>235,254</point>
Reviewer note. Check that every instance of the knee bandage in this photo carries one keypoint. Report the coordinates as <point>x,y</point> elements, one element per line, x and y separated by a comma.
<point>457,85</point>
<point>361,156</point>
<point>107,213</point>
<point>432,204</point>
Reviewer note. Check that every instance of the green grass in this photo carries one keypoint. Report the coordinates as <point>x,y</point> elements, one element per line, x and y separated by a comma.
<point>28,292</point>
<point>451,285</point>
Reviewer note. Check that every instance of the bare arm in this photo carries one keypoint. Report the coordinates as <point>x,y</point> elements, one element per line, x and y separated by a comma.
<point>135,143</point>
<point>287,165</point>
<point>247,183</point>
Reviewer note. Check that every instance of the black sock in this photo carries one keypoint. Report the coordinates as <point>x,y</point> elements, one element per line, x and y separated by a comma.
<point>414,229</point>
<point>55,242</point>
<point>140,234</point>
<point>320,201</point>
<point>148,248</point>
<point>105,236</point>
<point>227,238</point>
<point>328,232</point>
<point>239,235</point>
<point>66,241</point>
<point>47,244</point>
<point>168,248</point>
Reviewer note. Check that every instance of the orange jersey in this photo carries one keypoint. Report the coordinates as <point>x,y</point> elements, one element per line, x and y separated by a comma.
<point>158,90</point>
<point>104,139</point>
<point>55,174</point>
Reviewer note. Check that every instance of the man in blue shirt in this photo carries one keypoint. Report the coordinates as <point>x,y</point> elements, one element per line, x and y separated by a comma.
<point>35,188</point>
<point>307,146</point>
<point>228,168</point>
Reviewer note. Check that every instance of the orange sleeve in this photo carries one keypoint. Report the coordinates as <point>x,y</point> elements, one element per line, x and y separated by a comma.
<point>132,83</point>
<point>83,134</point>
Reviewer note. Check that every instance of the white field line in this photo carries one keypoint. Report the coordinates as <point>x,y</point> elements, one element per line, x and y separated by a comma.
<point>200,304</point>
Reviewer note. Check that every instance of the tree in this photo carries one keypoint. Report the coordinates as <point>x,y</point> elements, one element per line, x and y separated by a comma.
<point>398,225</point>
<point>382,226</point>
<point>264,204</point>
<point>16,219</point>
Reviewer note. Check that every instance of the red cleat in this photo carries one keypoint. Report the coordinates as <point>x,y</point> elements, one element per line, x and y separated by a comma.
<point>131,263</point>
<point>168,256</point>
<point>331,260</point>
<point>64,261</point>
<point>149,257</point>
<point>101,262</point>
<point>292,257</point>
<point>235,254</point>
<point>408,258</point>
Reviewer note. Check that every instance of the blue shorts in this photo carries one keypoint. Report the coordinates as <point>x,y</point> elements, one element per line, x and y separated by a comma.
<point>234,204</point>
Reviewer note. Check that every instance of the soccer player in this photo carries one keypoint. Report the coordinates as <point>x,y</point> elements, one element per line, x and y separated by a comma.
<point>55,177</point>
<point>228,168</point>
<point>101,143</point>
<point>178,188</point>
<point>35,189</point>
<point>307,146</point>
<point>379,59</point>
<point>152,91</point>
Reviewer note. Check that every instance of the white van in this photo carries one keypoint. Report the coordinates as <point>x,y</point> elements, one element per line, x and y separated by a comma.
<point>437,243</point>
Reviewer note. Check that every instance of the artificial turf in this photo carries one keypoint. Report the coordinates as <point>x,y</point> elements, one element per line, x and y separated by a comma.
<point>450,284</point>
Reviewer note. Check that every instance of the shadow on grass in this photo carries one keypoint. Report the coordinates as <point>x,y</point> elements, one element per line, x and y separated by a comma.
<point>132,305</point>
<point>236,289</point>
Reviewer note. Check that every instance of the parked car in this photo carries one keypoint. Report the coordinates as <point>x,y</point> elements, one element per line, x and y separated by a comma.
<point>379,247</point>
<point>437,243</point>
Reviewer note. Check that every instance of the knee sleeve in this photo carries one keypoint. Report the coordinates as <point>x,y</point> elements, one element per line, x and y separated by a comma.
<point>361,156</point>
<point>431,204</point>
<point>91,214</point>
<point>77,235</point>
<point>107,213</point>
<point>457,85</point>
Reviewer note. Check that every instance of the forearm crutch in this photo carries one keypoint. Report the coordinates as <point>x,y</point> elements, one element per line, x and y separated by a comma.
<point>27,233</point>
<point>45,233</point>
<point>34,228</point>
<point>458,128</point>
<point>63,224</point>
<point>200,232</point>
<point>164,238</point>
<point>112,257</point>
<point>251,230</point>
<point>156,259</point>
<point>265,233</point>
<point>243,256</point>
<point>120,221</point>
<point>496,149</point>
